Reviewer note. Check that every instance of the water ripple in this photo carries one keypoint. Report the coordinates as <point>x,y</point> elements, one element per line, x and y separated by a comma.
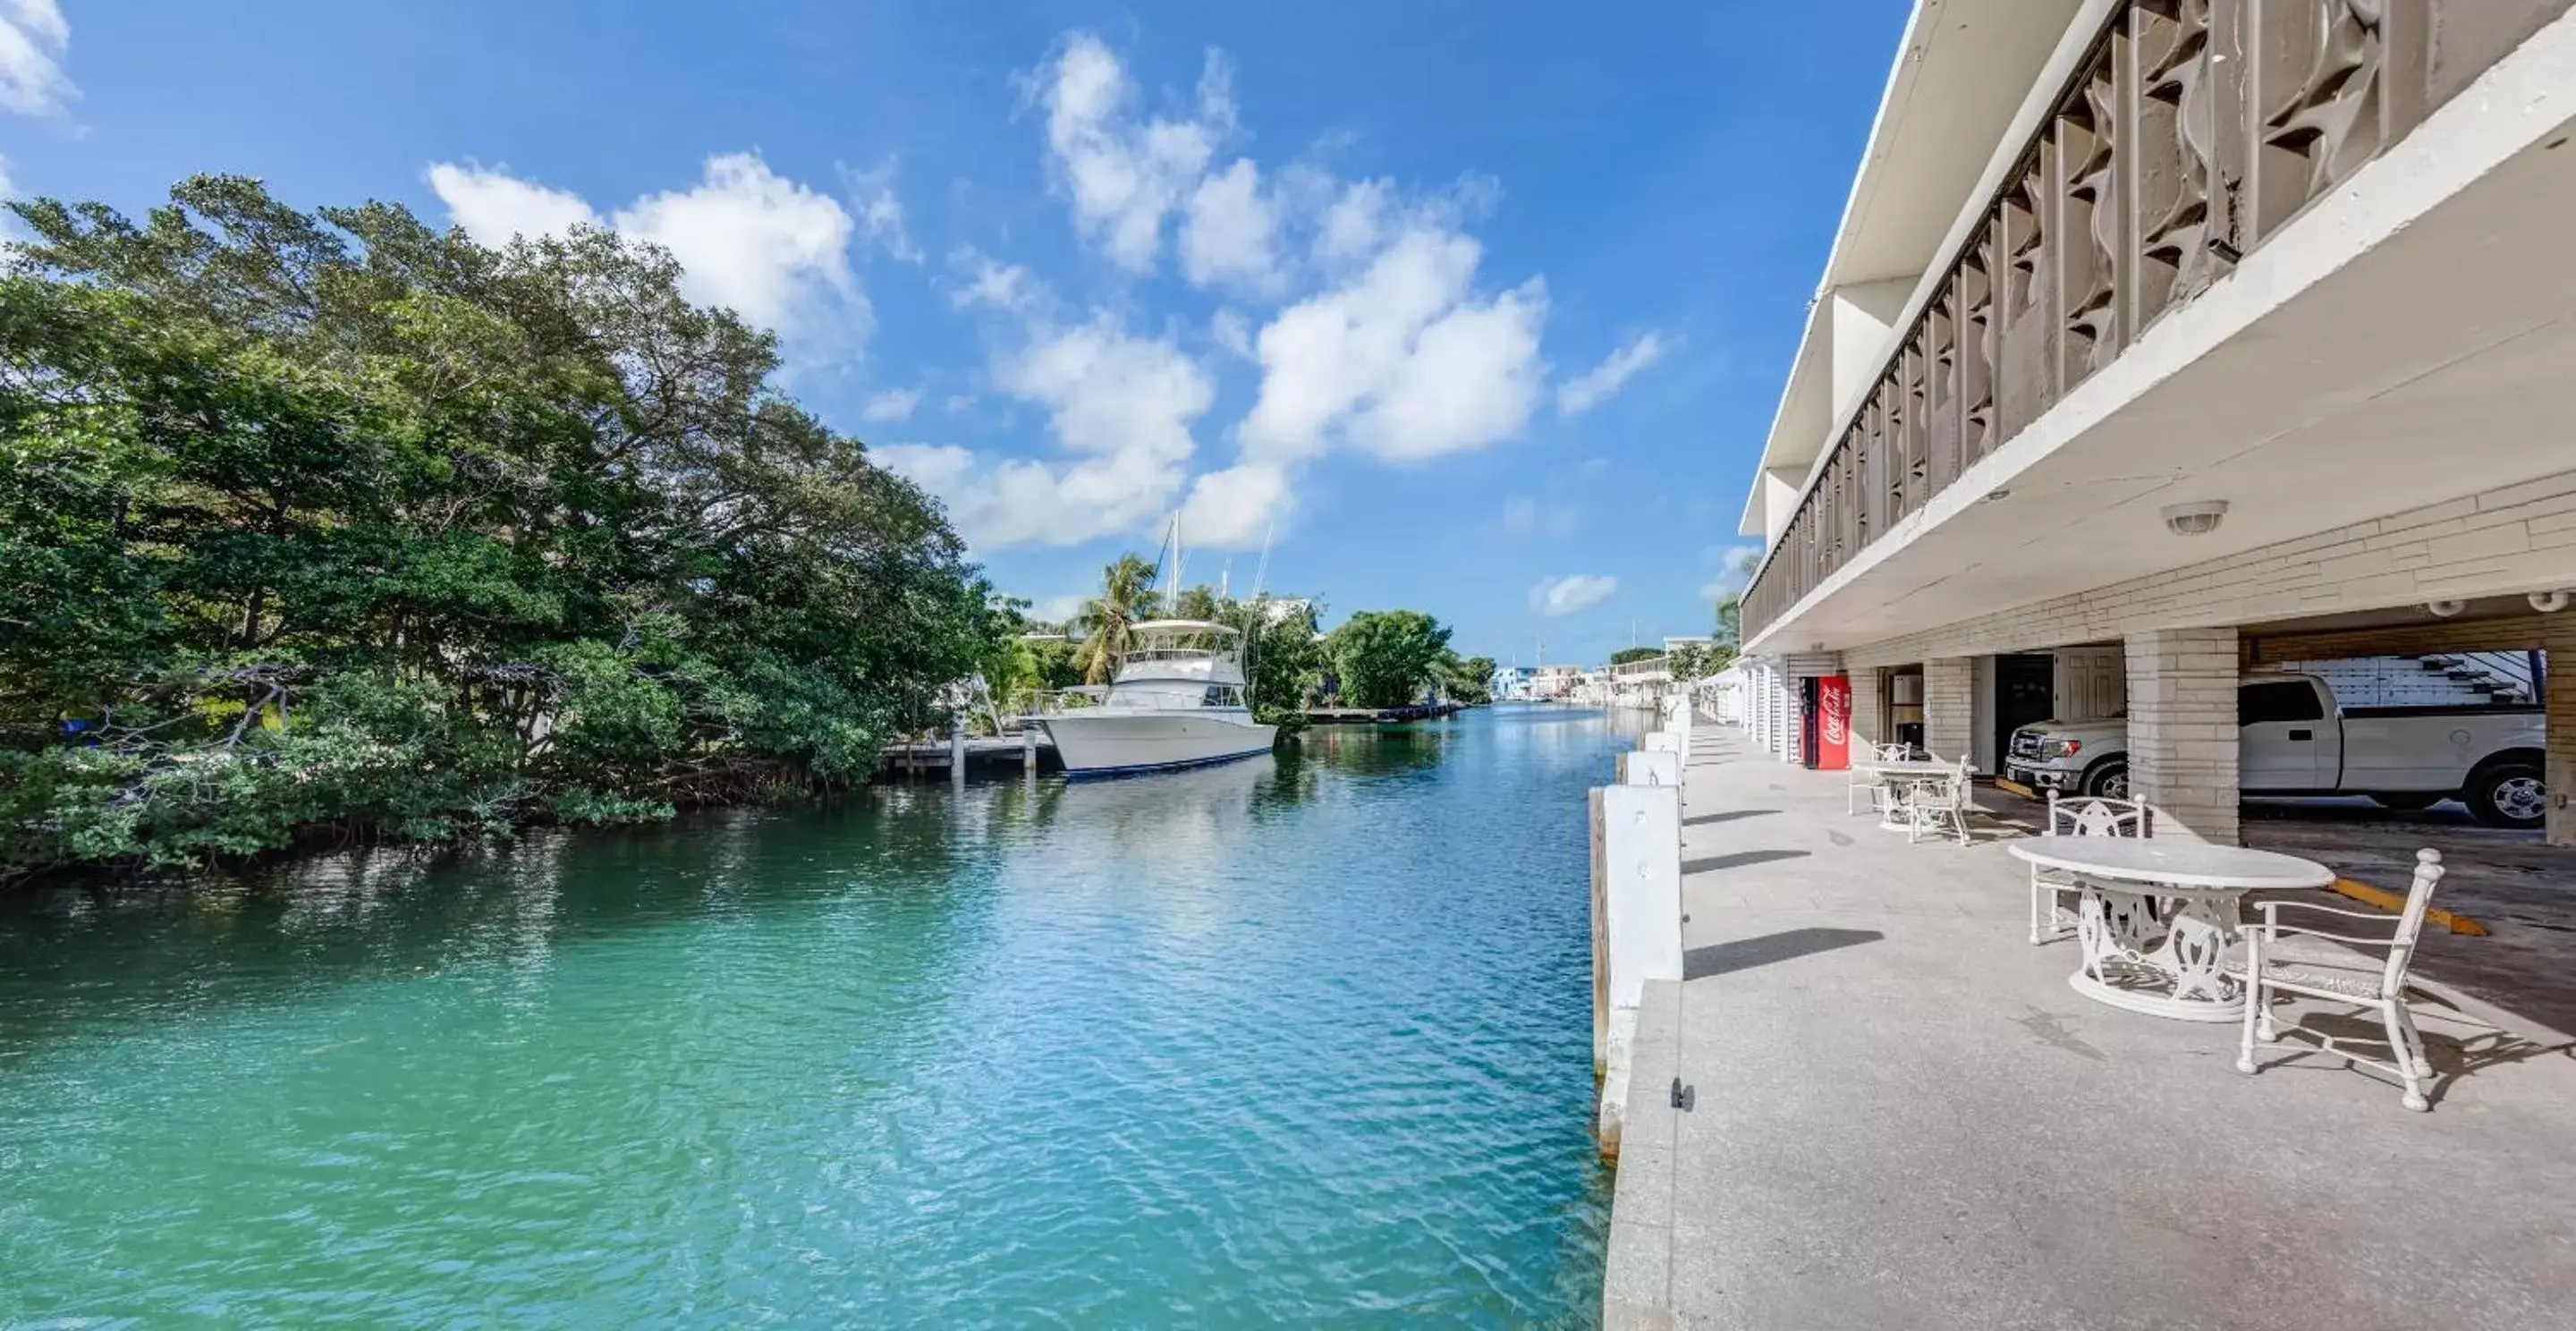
<point>1305,1043</point>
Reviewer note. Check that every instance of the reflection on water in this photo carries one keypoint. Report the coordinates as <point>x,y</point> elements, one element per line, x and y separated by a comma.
<point>1292,1040</point>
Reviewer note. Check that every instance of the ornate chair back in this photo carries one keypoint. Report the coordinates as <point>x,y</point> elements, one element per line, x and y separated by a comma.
<point>2410,922</point>
<point>2095,815</point>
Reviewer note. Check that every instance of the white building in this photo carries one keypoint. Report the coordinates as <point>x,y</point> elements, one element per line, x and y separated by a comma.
<point>2110,265</point>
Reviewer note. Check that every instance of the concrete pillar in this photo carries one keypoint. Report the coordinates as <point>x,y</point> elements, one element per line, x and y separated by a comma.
<point>1950,706</point>
<point>2558,827</point>
<point>1636,925</point>
<point>2182,730</point>
<point>1869,708</point>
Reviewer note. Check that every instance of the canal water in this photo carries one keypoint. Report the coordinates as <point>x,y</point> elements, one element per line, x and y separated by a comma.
<point>1303,1040</point>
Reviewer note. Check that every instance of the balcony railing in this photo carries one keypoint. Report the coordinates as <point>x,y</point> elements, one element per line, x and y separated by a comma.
<point>2189,135</point>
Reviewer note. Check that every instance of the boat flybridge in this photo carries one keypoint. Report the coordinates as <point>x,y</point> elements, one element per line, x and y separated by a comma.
<point>1178,700</point>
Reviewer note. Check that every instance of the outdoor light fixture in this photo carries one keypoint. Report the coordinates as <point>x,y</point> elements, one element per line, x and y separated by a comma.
<point>2444,609</point>
<point>1993,495</point>
<point>2548,603</point>
<point>2195,519</point>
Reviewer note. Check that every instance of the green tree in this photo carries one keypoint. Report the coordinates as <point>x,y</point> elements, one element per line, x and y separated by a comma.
<point>1108,621</point>
<point>334,520</point>
<point>1469,681</point>
<point>1387,658</point>
<point>1730,607</point>
<point>1283,656</point>
<point>1627,654</point>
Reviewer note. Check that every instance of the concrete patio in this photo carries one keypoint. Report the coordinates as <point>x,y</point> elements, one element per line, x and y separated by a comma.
<point>1903,1117</point>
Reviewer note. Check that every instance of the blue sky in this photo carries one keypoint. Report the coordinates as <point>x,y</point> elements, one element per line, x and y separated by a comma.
<point>1483,308</point>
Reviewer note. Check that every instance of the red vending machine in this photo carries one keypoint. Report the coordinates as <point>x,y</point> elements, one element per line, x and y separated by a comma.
<point>1825,722</point>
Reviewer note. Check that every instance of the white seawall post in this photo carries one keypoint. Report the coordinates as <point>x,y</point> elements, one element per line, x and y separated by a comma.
<point>1651,766</point>
<point>1636,918</point>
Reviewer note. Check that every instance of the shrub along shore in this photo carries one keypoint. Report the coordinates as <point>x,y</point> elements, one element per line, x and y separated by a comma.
<point>337,525</point>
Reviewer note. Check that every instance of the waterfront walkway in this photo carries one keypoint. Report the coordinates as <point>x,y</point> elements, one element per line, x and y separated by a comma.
<point>1903,1117</point>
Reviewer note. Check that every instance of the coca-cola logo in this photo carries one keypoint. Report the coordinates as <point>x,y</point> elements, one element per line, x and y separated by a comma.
<point>1837,715</point>
<point>1834,726</point>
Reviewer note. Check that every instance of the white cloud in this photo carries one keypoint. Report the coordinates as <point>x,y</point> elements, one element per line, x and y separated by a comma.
<point>1232,331</point>
<point>959,404</point>
<point>33,36</point>
<point>1603,381</point>
<point>880,212</point>
<point>10,229</point>
<point>1234,509</point>
<point>1057,609</point>
<point>1123,174</point>
<point>1230,230</point>
<point>1355,222</point>
<point>1565,596</point>
<point>992,284</point>
<point>1402,360</point>
<point>1122,404</point>
<point>1737,563</point>
<point>495,207</point>
<point>1392,349</point>
<point>770,249</point>
<point>894,404</point>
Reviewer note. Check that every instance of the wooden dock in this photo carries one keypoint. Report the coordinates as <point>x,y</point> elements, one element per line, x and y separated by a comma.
<point>1365,716</point>
<point>986,755</point>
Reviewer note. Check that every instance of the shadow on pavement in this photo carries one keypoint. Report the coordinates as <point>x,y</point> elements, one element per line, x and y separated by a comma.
<point>1787,945</point>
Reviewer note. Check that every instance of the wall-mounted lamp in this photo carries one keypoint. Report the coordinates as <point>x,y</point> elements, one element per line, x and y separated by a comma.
<point>2548,603</point>
<point>2444,609</point>
<point>2195,519</point>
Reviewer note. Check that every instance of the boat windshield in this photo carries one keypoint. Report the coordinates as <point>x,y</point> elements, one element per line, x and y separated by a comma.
<point>1181,650</point>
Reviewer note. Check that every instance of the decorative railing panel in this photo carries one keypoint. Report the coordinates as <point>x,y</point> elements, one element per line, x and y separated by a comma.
<point>2190,133</point>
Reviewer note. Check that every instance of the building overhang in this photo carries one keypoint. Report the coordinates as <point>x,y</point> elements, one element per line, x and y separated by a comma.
<point>2404,343</point>
<point>1962,71</point>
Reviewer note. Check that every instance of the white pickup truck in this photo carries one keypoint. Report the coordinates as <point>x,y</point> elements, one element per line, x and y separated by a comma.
<point>2295,740</point>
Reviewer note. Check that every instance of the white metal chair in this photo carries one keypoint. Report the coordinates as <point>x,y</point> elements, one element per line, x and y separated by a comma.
<point>1864,780</point>
<point>1938,802</point>
<point>2376,983</point>
<point>2091,816</point>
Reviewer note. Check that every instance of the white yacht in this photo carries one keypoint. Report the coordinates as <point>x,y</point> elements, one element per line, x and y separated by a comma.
<point>1178,700</point>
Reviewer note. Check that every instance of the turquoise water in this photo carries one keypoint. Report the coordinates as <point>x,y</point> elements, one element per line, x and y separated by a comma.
<point>1303,1040</point>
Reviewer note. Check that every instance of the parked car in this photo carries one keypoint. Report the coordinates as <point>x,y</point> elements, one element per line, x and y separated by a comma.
<point>2293,739</point>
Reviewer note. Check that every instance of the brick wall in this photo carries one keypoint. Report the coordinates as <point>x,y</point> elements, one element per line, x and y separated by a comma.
<point>2182,730</point>
<point>1949,706</point>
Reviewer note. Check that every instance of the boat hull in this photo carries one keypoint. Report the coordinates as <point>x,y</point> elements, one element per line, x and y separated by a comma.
<point>1110,744</point>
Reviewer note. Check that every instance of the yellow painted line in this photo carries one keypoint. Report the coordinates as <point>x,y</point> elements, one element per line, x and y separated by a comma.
<point>2392,901</point>
<point>2017,788</point>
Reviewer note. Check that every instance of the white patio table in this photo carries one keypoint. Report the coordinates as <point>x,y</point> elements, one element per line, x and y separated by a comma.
<point>2156,918</point>
<point>1892,779</point>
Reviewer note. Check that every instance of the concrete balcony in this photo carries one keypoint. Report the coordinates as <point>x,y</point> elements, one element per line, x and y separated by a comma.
<point>2306,257</point>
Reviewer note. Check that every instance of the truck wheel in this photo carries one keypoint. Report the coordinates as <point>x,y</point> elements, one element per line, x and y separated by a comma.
<point>2108,780</point>
<point>2508,794</point>
<point>2408,799</point>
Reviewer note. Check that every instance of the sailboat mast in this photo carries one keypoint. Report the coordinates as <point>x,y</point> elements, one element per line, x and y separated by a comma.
<point>1172,575</point>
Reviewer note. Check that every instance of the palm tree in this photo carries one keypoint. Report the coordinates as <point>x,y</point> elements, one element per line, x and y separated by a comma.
<point>1108,618</point>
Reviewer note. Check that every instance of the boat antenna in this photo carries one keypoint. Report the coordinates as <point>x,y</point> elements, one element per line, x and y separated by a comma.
<point>1172,589</point>
<point>1225,579</point>
<point>1261,571</point>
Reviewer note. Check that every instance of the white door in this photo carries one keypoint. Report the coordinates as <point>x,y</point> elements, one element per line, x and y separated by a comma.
<point>2283,736</point>
<point>2092,682</point>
